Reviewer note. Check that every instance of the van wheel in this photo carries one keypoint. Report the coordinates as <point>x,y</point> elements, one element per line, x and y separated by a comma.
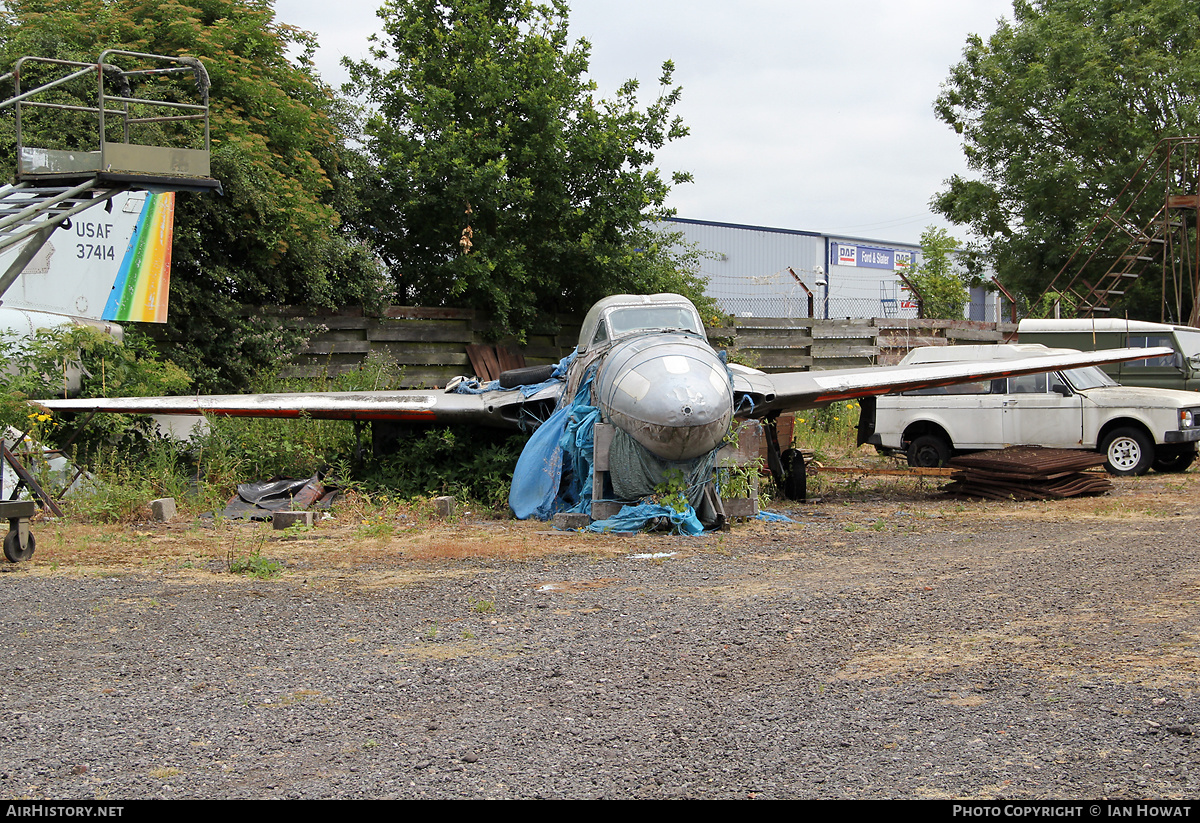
<point>1127,452</point>
<point>1174,462</point>
<point>928,451</point>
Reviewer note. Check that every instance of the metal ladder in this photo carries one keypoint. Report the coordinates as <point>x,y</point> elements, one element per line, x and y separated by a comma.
<point>1148,230</point>
<point>30,212</point>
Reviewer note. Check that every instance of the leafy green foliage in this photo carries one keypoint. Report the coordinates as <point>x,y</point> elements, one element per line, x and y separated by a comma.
<point>255,565</point>
<point>275,235</point>
<point>828,431</point>
<point>466,462</point>
<point>131,464</point>
<point>672,491</point>
<point>738,481</point>
<point>503,184</point>
<point>1056,110</point>
<point>1063,302</point>
<point>124,479</point>
<point>46,364</point>
<point>236,449</point>
<point>942,288</point>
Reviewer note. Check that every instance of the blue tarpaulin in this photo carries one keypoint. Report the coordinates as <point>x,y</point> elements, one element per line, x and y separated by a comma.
<point>560,449</point>
<point>636,518</point>
<point>534,491</point>
<point>554,472</point>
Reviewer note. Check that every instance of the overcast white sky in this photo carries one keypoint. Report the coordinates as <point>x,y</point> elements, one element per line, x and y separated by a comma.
<point>804,114</point>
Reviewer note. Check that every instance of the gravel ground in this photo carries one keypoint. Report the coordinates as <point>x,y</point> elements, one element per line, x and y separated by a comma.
<point>889,644</point>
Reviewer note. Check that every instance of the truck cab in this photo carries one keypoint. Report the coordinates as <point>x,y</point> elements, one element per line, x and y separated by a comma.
<point>1178,371</point>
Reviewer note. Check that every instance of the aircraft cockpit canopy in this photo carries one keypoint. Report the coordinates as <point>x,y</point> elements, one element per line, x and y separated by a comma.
<point>621,315</point>
<point>638,318</point>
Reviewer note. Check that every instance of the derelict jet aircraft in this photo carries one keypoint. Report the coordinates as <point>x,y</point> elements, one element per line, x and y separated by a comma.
<point>644,362</point>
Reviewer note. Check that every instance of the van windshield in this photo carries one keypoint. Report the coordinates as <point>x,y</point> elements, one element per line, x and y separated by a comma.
<point>1189,343</point>
<point>1089,377</point>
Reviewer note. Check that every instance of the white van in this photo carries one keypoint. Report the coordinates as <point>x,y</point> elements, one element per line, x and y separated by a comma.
<point>1135,428</point>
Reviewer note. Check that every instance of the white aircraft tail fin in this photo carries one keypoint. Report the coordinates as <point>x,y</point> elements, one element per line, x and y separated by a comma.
<point>109,264</point>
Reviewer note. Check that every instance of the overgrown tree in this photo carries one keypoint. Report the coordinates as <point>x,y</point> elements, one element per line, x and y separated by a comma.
<point>938,278</point>
<point>505,185</point>
<point>1056,110</point>
<point>278,147</point>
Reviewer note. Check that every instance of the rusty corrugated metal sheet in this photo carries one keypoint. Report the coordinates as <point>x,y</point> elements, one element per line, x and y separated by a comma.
<point>1028,473</point>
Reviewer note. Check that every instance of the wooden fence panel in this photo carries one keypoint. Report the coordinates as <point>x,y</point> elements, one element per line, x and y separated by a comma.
<point>430,343</point>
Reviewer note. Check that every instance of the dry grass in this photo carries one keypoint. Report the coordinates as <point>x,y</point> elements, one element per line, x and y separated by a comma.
<point>334,547</point>
<point>383,537</point>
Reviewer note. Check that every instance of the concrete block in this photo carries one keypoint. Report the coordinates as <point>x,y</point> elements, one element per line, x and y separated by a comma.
<point>282,520</point>
<point>444,506</point>
<point>603,509</point>
<point>163,509</point>
<point>571,520</point>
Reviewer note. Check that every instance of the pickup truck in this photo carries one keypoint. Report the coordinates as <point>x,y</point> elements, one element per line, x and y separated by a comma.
<point>1135,428</point>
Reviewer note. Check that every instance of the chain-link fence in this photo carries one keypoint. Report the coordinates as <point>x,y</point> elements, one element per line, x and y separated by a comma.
<point>834,308</point>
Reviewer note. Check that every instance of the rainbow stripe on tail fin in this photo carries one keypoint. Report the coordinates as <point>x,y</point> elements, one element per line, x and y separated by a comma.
<point>143,283</point>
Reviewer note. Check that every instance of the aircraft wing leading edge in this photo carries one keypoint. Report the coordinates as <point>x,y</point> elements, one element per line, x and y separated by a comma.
<point>758,394</point>
<point>788,391</point>
<point>501,409</point>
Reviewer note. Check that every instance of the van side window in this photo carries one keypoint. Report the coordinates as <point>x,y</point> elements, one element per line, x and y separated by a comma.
<point>1058,384</point>
<point>1149,341</point>
<point>983,387</point>
<point>1027,384</point>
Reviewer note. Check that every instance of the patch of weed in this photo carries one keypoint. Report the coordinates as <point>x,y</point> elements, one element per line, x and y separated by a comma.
<point>296,531</point>
<point>830,432</point>
<point>378,526</point>
<point>255,565</point>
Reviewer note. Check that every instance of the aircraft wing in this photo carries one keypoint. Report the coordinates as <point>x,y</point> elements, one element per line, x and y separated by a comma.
<point>500,409</point>
<point>757,394</point>
<point>761,395</point>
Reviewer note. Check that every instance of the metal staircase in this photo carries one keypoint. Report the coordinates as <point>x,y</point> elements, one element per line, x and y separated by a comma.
<point>53,184</point>
<point>1124,244</point>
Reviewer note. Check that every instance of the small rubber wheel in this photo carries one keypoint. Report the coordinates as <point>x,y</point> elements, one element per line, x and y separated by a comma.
<point>1174,463</point>
<point>526,376</point>
<point>12,547</point>
<point>1127,452</point>
<point>929,451</point>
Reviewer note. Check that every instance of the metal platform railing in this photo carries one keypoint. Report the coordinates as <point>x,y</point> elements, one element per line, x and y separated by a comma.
<point>119,114</point>
<point>115,106</point>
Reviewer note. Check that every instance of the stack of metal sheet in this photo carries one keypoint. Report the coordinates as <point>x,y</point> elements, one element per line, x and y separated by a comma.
<point>1028,473</point>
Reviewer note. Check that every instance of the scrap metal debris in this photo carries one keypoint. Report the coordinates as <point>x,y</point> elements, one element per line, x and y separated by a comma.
<point>1028,473</point>
<point>260,500</point>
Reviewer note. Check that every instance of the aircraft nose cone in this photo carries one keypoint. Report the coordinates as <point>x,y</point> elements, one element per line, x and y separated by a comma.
<point>670,392</point>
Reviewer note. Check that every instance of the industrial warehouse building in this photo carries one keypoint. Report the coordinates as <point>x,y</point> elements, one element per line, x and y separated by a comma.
<point>755,271</point>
